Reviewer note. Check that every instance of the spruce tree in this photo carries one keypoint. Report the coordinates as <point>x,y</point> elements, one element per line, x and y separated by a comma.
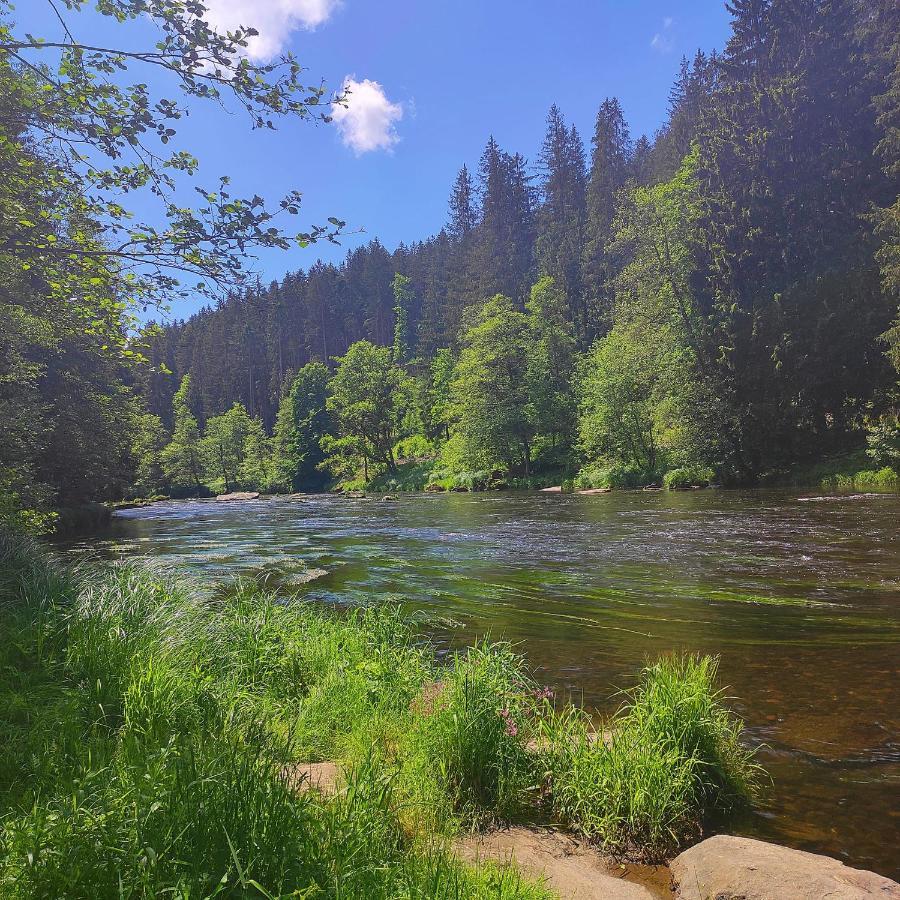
<point>610,159</point>
<point>561,217</point>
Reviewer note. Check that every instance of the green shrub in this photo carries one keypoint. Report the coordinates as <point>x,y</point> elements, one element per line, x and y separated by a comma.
<point>688,477</point>
<point>415,447</point>
<point>617,476</point>
<point>671,759</point>
<point>883,440</point>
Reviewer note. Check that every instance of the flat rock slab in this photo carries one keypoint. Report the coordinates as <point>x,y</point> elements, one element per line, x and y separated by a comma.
<point>570,867</point>
<point>596,491</point>
<point>737,868</point>
<point>239,495</point>
<point>556,489</point>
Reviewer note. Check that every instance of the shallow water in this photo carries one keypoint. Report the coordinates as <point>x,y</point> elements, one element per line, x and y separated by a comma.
<point>798,594</point>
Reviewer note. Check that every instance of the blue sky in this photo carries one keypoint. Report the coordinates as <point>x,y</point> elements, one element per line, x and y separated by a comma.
<point>434,79</point>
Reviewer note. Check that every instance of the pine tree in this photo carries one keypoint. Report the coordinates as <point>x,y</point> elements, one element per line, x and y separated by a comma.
<point>561,217</point>
<point>502,255</point>
<point>463,212</point>
<point>609,170</point>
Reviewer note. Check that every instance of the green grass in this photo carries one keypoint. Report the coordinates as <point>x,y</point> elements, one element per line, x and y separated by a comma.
<point>668,764</point>
<point>148,727</point>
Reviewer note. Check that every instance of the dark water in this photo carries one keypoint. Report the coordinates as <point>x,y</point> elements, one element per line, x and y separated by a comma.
<point>800,597</point>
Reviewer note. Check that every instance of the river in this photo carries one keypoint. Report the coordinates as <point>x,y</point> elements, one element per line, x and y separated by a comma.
<point>799,594</point>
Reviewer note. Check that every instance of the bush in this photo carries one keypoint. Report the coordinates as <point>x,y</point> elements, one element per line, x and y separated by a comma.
<point>415,447</point>
<point>883,439</point>
<point>688,477</point>
<point>614,476</point>
<point>671,759</point>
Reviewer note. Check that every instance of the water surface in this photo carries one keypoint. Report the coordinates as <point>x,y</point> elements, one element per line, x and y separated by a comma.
<point>798,594</point>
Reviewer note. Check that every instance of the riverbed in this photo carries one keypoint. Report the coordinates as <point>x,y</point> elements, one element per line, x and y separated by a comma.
<point>798,593</point>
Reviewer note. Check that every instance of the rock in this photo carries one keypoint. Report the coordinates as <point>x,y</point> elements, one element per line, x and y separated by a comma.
<point>552,490</point>
<point>297,498</point>
<point>738,868</point>
<point>459,489</point>
<point>239,495</point>
<point>434,488</point>
<point>355,495</point>
<point>596,491</point>
<point>389,498</point>
<point>571,867</point>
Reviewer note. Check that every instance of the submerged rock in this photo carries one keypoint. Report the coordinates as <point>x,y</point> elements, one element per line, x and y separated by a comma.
<point>738,868</point>
<point>239,495</point>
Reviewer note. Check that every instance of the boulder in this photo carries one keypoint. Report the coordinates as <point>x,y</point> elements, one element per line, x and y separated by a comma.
<point>239,495</point>
<point>552,490</point>
<point>738,868</point>
<point>434,488</point>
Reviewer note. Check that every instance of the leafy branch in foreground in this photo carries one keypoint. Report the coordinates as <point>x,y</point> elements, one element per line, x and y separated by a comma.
<point>97,136</point>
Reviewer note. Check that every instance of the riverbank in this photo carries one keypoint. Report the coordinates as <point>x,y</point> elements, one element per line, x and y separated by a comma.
<point>154,730</point>
<point>850,471</point>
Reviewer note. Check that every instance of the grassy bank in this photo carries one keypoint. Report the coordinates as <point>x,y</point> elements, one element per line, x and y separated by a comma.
<point>149,730</point>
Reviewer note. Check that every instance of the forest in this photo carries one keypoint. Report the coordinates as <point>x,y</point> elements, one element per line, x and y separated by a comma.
<point>715,303</point>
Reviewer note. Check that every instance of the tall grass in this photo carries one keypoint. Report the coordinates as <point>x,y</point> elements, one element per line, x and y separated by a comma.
<point>148,726</point>
<point>669,762</point>
<point>148,730</point>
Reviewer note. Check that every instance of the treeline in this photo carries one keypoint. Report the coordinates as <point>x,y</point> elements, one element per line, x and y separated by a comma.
<point>721,300</point>
<point>721,297</point>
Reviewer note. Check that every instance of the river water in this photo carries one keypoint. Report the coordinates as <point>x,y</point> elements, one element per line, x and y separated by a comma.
<point>798,594</point>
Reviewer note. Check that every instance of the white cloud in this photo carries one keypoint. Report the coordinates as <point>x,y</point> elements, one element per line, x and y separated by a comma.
<point>663,40</point>
<point>273,19</point>
<point>367,121</point>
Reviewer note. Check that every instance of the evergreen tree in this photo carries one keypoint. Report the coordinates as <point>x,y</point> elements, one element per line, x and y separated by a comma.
<point>561,218</point>
<point>256,470</point>
<point>504,240</point>
<point>463,212</point>
<point>609,170</point>
<point>788,175</point>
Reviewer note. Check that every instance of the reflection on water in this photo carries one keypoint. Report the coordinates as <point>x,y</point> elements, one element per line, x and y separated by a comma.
<point>801,600</point>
